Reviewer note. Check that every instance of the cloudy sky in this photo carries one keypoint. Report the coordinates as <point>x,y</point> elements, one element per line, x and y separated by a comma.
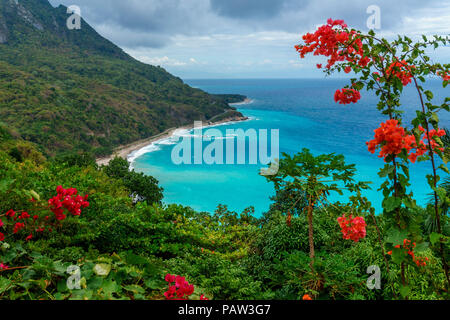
<point>246,38</point>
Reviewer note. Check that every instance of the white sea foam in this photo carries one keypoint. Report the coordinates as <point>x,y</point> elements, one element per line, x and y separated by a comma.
<point>247,101</point>
<point>175,137</point>
<point>137,153</point>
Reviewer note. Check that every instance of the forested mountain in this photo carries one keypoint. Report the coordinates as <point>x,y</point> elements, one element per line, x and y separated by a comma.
<point>73,90</point>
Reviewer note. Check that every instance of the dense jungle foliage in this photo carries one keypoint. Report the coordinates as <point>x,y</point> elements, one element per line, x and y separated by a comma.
<point>70,229</point>
<point>125,246</point>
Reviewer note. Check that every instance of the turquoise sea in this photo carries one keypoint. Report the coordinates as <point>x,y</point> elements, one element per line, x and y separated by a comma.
<point>305,113</point>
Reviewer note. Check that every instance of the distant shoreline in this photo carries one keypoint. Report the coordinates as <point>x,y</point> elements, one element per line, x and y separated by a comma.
<point>246,101</point>
<point>125,150</point>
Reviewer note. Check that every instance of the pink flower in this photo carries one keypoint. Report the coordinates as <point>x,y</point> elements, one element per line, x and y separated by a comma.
<point>181,290</point>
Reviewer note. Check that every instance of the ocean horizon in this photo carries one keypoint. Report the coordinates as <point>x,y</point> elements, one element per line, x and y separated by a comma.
<point>304,112</point>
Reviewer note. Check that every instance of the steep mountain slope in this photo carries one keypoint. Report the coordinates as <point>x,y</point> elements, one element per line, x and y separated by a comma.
<point>72,90</point>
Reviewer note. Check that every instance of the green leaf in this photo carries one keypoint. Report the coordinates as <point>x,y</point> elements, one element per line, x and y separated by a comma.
<point>435,237</point>
<point>153,284</point>
<point>132,258</point>
<point>4,284</point>
<point>392,203</point>
<point>35,195</point>
<point>398,255</point>
<point>404,291</point>
<point>386,171</point>
<point>135,289</point>
<point>421,247</point>
<point>429,95</point>
<point>396,236</point>
<point>434,118</point>
<point>5,183</point>
<point>102,269</point>
<point>109,287</point>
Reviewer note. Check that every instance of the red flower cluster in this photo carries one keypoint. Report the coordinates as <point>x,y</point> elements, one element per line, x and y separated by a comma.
<point>68,199</point>
<point>399,69</point>
<point>334,41</point>
<point>445,76</point>
<point>3,266</point>
<point>306,297</point>
<point>10,213</point>
<point>352,228</point>
<point>392,138</point>
<point>419,261</point>
<point>422,148</point>
<point>18,226</point>
<point>181,290</point>
<point>346,96</point>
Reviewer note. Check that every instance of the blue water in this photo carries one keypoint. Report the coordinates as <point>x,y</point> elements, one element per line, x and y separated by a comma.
<point>305,113</point>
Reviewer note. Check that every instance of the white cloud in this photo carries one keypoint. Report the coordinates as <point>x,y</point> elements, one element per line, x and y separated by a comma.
<point>161,61</point>
<point>191,39</point>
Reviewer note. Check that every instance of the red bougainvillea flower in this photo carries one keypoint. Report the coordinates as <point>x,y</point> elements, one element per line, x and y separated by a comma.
<point>1,223</point>
<point>24,215</point>
<point>352,228</point>
<point>422,148</point>
<point>170,278</point>
<point>346,96</point>
<point>444,75</point>
<point>392,139</point>
<point>29,237</point>
<point>3,266</point>
<point>181,290</point>
<point>169,294</point>
<point>340,45</point>
<point>10,213</point>
<point>2,237</point>
<point>400,70</point>
<point>67,199</point>
<point>334,41</point>
<point>18,226</point>
<point>306,297</point>
<point>202,297</point>
<point>408,247</point>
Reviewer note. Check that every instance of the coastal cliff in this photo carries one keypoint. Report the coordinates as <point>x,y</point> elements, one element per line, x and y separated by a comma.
<point>77,92</point>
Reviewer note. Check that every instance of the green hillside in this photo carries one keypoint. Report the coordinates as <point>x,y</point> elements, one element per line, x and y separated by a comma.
<point>72,90</point>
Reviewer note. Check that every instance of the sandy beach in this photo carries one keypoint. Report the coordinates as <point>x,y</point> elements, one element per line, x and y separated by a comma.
<point>246,101</point>
<point>125,150</point>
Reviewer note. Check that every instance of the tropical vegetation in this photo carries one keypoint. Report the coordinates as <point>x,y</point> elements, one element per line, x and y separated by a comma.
<point>70,229</point>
